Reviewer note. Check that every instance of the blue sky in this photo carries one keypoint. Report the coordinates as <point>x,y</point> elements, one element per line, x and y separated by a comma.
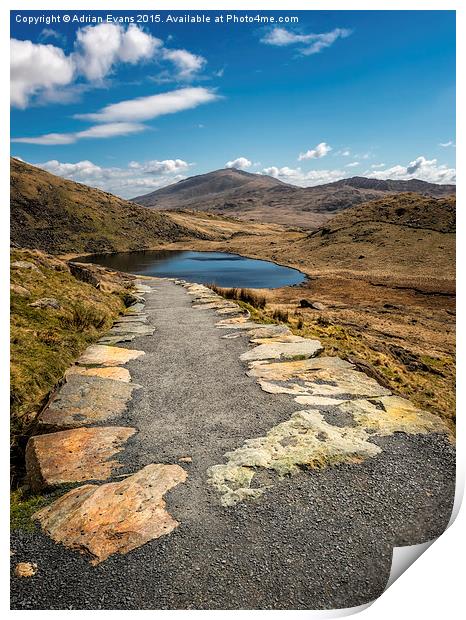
<point>133,107</point>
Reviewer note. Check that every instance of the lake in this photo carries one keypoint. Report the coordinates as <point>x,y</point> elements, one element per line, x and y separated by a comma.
<point>221,268</point>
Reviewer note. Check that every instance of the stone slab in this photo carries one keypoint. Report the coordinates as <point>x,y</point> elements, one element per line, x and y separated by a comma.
<point>74,455</point>
<point>116,339</point>
<point>283,350</point>
<point>103,355</point>
<point>116,517</point>
<point>108,372</point>
<point>86,400</point>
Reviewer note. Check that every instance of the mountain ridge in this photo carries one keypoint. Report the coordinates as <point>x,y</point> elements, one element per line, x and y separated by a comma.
<point>257,197</point>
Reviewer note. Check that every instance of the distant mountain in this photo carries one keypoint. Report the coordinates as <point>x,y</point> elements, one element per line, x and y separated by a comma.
<point>262,198</point>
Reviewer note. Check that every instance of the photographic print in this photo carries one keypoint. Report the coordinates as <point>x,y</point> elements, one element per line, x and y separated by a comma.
<point>232,304</point>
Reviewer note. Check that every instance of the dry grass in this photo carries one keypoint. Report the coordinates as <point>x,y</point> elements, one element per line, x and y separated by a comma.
<point>45,341</point>
<point>246,295</point>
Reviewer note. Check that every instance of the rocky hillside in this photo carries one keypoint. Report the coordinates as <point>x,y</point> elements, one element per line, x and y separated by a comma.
<point>264,199</point>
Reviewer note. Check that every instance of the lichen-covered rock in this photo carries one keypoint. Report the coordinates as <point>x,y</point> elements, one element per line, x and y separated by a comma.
<point>392,414</point>
<point>115,517</point>
<point>74,455</point>
<point>46,302</point>
<point>304,440</point>
<point>17,289</point>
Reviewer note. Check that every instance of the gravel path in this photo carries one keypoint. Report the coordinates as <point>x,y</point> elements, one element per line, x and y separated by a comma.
<point>320,539</point>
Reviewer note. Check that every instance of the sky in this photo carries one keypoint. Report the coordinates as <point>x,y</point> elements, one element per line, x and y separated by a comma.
<point>131,104</point>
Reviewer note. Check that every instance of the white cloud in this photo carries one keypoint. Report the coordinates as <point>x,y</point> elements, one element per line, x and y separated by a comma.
<point>46,73</point>
<point>321,150</point>
<point>239,163</point>
<point>374,166</point>
<point>50,33</point>
<point>109,130</point>
<point>99,48</point>
<point>309,44</point>
<point>37,68</point>
<point>187,64</point>
<point>166,166</point>
<point>137,178</point>
<point>353,164</point>
<point>296,176</point>
<point>145,108</point>
<point>447,144</point>
<point>420,168</point>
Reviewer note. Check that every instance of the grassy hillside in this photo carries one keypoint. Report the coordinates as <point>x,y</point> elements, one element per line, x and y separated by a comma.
<point>60,216</point>
<point>63,217</point>
<point>46,340</point>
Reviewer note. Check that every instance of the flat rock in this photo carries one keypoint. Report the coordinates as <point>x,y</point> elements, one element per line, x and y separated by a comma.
<point>23,264</point>
<point>239,322</point>
<point>86,399</point>
<point>123,320</point>
<point>17,289</point>
<point>116,339</point>
<point>305,440</point>
<point>142,288</point>
<point>279,338</point>
<point>116,517</point>
<point>217,305</point>
<point>283,350</point>
<point>282,371</point>
<point>103,355</point>
<point>393,414</point>
<point>131,328</point>
<point>327,378</point>
<point>74,455</point>
<point>46,302</point>
<point>137,307</point>
<point>108,372</point>
<point>269,331</point>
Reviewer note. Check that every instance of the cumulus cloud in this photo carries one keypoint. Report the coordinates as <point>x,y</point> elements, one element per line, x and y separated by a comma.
<point>36,68</point>
<point>420,168</point>
<point>353,164</point>
<point>44,72</point>
<point>99,48</point>
<point>186,63</point>
<point>136,178</point>
<point>145,108</point>
<point>240,163</point>
<point>321,150</point>
<point>109,130</point>
<point>296,176</point>
<point>309,44</point>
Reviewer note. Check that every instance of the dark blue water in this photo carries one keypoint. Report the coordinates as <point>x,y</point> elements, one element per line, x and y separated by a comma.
<point>206,267</point>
